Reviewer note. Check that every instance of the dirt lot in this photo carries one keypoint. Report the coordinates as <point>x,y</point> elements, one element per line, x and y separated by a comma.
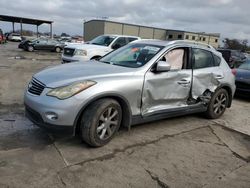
<point>187,151</point>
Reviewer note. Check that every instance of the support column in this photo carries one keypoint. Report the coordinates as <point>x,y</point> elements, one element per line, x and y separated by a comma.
<point>21,26</point>
<point>51,30</point>
<point>13,27</point>
<point>37,31</point>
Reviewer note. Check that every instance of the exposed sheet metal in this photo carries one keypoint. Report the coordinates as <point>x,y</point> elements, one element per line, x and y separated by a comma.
<point>203,81</point>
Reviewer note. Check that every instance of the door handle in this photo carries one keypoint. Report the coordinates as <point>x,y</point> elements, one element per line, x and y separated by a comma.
<point>219,76</point>
<point>183,82</point>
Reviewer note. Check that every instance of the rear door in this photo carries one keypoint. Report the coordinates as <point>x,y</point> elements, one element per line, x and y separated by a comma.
<point>206,72</point>
<point>168,90</point>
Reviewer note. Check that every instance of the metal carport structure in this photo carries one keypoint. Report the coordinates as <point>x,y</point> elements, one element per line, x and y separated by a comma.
<point>23,20</point>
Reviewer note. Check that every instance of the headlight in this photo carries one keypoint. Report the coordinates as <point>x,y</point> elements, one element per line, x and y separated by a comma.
<point>70,90</point>
<point>81,52</point>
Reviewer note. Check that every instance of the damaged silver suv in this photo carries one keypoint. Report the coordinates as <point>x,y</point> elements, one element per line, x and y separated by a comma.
<point>143,81</point>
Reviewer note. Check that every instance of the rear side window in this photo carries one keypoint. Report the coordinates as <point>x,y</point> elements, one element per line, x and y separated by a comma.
<point>130,39</point>
<point>202,59</point>
<point>120,42</point>
<point>217,60</point>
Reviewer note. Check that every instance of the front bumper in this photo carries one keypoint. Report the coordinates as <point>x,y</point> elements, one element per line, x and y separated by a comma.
<point>36,118</point>
<point>71,59</point>
<point>38,108</point>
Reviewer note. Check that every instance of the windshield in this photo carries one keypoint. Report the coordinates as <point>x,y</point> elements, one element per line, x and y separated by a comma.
<point>245,66</point>
<point>133,55</point>
<point>102,40</point>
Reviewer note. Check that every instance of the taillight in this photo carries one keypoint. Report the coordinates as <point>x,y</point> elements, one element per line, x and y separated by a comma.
<point>234,72</point>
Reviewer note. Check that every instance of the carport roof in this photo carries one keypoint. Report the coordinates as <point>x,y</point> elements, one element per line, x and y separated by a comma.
<point>24,20</point>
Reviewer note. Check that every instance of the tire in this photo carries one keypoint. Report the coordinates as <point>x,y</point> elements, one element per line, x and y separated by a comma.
<point>217,104</point>
<point>96,127</point>
<point>58,49</point>
<point>30,48</point>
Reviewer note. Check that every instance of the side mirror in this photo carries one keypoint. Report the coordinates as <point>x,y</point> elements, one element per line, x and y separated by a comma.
<point>116,46</point>
<point>163,66</point>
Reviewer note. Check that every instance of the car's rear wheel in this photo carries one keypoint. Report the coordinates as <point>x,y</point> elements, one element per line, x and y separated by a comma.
<point>218,104</point>
<point>100,122</point>
<point>58,49</point>
<point>30,48</point>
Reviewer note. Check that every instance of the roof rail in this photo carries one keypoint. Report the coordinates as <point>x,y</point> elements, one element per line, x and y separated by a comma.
<point>192,42</point>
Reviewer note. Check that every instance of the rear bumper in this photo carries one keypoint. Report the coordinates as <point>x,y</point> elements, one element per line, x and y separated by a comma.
<point>37,119</point>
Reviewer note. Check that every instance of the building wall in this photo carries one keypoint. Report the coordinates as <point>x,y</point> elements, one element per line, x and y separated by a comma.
<point>204,38</point>
<point>130,30</point>
<point>146,32</point>
<point>93,29</point>
<point>160,34</point>
<point>174,35</point>
<point>113,28</point>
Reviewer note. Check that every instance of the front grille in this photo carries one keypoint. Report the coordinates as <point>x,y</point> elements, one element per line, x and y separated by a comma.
<point>35,87</point>
<point>242,85</point>
<point>68,51</point>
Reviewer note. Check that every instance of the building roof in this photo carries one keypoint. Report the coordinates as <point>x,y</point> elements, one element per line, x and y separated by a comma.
<point>23,20</point>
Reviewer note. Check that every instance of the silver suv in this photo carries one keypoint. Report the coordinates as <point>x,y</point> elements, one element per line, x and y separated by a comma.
<point>143,81</point>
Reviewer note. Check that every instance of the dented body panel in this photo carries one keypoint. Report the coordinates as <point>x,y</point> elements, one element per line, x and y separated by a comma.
<point>165,90</point>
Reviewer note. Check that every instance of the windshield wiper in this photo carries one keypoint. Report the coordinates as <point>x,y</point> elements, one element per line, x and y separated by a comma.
<point>107,62</point>
<point>97,44</point>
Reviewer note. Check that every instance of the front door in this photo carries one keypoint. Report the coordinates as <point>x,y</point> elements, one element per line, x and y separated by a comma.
<point>163,91</point>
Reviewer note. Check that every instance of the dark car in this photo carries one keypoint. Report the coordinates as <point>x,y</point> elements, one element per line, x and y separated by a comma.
<point>41,44</point>
<point>2,37</point>
<point>242,79</point>
<point>234,58</point>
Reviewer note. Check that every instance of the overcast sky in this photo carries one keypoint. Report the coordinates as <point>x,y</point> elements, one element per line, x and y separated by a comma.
<point>231,18</point>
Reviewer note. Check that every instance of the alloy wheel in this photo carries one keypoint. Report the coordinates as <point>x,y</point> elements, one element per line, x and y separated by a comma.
<point>220,103</point>
<point>107,123</point>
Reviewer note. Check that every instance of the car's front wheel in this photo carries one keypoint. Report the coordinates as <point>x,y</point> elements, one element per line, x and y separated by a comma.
<point>58,49</point>
<point>218,104</point>
<point>100,122</point>
<point>30,48</point>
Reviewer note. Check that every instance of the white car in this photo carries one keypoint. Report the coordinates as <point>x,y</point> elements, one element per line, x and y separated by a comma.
<point>96,48</point>
<point>15,37</point>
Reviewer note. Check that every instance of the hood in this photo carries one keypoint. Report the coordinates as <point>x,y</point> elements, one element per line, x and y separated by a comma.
<point>87,46</point>
<point>243,75</point>
<point>92,70</point>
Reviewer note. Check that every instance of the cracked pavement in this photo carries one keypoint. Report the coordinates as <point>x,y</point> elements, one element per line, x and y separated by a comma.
<point>187,151</point>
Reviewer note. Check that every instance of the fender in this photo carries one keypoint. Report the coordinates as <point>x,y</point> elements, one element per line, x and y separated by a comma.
<point>121,99</point>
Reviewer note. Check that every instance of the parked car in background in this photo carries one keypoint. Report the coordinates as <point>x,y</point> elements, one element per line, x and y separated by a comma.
<point>234,58</point>
<point>14,37</point>
<point>242,79</point>
<point>42,44</point>
<point>2,37</point>
<point>96,48</point>
<point>143,81</point>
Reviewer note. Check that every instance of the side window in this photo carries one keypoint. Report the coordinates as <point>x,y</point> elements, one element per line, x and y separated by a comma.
<point>130,39</point>
<point>119,43</point>
<point>175,58</point>
<point>217,60</point>
<point>202,59</point>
